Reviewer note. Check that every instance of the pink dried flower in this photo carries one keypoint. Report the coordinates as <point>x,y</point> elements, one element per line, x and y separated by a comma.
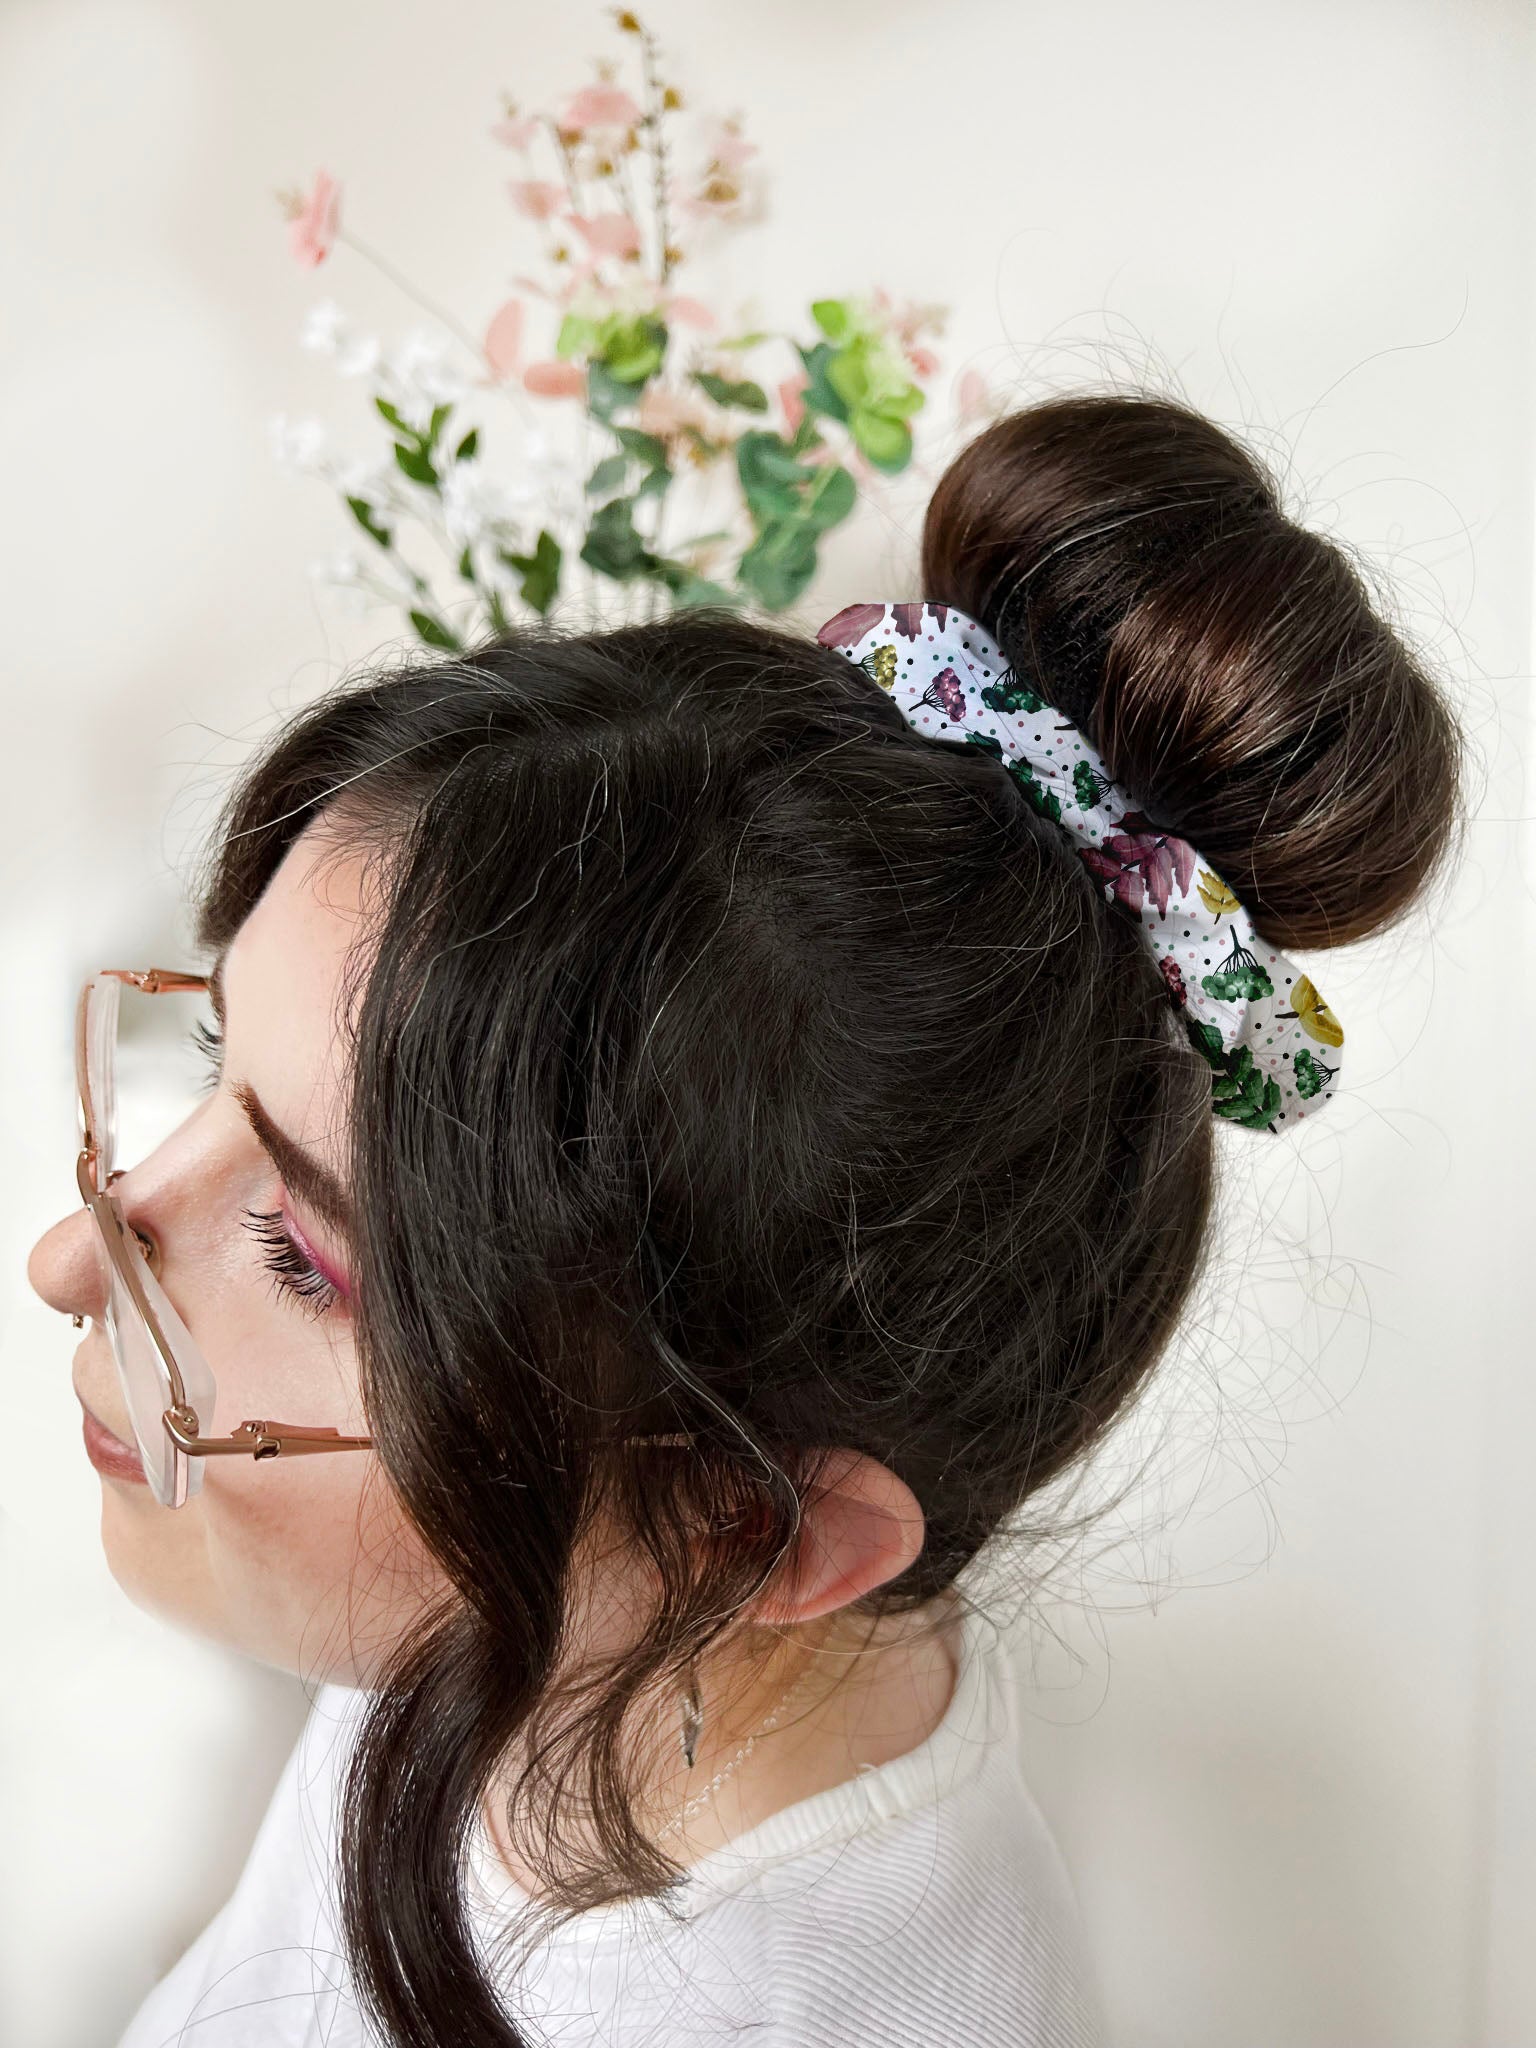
<point>536,197</point>
<point>312,230</point>
<point>517,131</point>
<point>727,146</point>
<point>923,360</point>
<point>601,106</point>
<point>666,413</point>
<point>555,380</point>
<point>973,399</point>
<point>607,234</point>
<point>689,312</point>
<point>504,339</point>
<point>790,399</point>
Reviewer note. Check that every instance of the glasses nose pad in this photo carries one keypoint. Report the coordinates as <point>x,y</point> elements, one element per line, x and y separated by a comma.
<point>146,1243</point>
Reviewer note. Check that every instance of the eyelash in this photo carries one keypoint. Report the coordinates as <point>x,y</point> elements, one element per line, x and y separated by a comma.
<point>208,1044</point>
<point>291,1271</point>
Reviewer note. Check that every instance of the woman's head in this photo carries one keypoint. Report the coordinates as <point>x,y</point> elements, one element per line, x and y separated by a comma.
<point>768,1160</point>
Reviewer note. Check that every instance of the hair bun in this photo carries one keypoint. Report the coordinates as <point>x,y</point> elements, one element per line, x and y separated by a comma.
<point>1226,662</point>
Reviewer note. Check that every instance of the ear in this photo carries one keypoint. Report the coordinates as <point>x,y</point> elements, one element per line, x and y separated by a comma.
<point>863,1528</point>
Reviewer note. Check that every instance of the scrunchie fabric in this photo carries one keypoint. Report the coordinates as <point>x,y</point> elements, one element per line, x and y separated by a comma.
<point>1272,1043</point>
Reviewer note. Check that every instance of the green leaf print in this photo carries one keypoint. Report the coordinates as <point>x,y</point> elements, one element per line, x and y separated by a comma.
<point>1009,694</point>
<point>1312,1077</point>
<point>1238,975</point>
<point>1240,1090</point>
<point>1036,794</point>
<point>1086,786</point>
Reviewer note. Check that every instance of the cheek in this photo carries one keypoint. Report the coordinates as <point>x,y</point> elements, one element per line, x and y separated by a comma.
<point>314,1570</point>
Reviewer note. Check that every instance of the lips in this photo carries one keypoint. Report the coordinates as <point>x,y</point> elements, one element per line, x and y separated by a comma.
<point>112,1458</point>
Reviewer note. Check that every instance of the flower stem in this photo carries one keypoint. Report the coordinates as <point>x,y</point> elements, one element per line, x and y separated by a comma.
<point>454,327</point>
<point>656,142</point>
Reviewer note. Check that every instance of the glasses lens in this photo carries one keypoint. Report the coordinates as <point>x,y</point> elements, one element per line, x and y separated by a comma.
<point>146,1387</point>
<point>101,1011</point>
<point>142,1073</point>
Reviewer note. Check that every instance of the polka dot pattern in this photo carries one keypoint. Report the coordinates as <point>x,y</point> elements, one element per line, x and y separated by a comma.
<point>1272,1043</point>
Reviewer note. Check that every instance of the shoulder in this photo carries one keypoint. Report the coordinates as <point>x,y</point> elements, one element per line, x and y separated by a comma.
<point>274,1948</point>
<point>926,1900</point>
<point>955,1924</point>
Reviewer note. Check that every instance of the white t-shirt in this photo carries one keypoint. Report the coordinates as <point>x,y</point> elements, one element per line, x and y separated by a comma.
<point>924,1900</point>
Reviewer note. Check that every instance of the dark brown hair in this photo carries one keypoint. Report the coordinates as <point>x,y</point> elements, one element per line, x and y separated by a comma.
<point>1227,662</point>
<point>736,1061</point>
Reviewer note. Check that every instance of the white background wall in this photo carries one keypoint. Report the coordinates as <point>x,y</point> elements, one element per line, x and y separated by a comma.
<point>1282,1724</point>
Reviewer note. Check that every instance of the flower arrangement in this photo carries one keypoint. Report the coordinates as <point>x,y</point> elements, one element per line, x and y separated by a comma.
<point>637,406</point>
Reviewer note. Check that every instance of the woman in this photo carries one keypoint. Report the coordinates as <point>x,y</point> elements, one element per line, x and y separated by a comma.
<point>689,1157</point>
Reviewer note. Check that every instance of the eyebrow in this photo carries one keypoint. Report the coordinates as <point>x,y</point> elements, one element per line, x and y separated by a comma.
<point>303,1174</point>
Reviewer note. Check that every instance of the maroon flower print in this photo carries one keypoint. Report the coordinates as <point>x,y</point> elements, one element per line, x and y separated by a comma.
<point>946,693</point>
<point>1169,968</point>
<point>850,625</point>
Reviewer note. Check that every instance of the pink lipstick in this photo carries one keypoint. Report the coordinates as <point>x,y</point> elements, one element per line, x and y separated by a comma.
<point>112,1458</point>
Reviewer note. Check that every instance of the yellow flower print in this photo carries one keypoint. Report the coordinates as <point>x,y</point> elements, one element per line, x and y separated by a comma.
<point>1314,1015</point>
<point>1214,893</point>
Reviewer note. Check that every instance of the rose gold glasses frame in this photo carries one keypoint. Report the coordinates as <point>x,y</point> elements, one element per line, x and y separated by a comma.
<point>254,1439</point>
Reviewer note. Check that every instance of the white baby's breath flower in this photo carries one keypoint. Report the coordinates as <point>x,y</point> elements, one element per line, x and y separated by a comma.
<point>390,575</point>
<point>298,444</point>
<point>492,571</point>
<point>324,328</point>
<point>373,482</point>
<point>360,356</point>
<point>474,505</point>
<point>421,377</point>
<point>341,568</point>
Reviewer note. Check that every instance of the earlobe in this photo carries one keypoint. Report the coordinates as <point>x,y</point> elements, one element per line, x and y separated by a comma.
<point>861,1528</point>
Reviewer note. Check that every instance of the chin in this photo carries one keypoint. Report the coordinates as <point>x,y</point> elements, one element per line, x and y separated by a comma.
<point>155,1555</point>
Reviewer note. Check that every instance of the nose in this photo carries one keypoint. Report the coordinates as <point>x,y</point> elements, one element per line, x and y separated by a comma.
<point>64,1270</point>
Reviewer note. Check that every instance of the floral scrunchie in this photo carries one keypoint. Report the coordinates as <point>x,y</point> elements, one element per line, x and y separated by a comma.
<point>1271,1041</point>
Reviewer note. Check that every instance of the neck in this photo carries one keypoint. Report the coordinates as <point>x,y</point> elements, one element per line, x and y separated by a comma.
<point>864,1693</point>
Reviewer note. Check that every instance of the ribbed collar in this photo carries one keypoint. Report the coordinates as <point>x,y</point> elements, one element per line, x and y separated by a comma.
<point>980,1713</point>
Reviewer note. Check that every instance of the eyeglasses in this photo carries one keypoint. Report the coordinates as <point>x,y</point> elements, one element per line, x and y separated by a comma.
<point>166,1381</point>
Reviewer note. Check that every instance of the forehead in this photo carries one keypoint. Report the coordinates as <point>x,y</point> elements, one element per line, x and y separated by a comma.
<point>284,974</point>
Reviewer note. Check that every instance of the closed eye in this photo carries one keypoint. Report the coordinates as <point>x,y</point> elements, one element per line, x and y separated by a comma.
<point>208,1044</point>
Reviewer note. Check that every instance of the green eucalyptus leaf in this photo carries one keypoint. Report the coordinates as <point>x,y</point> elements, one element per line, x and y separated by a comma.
<point>778,566</point>
<point>432,631</point>
<point>632,349</point>
<point>577,336</point>
<point>819,394</point>
<point>763,458</point>
<point>609,473</point>
<point>390,413</point>
<point>466,567</point>
<point>745,395</point>
<point>363,513</point>
<point>469,447</point>
<point>612,545</point>
<point>435,426</point>
<point>690,589</point>
<point>540,572</point>
<point>416,465</point>
<point>646,448</point>
<point>806,434</point>
<point>605,393</point>
<point>887,443</point>
<point>831,498</point>
<point>832,317</point>
<point>848,374</point>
